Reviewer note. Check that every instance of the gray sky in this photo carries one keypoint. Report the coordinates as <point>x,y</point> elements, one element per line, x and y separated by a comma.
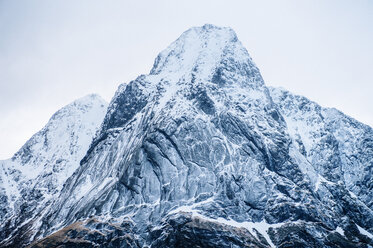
<point>52,52</point>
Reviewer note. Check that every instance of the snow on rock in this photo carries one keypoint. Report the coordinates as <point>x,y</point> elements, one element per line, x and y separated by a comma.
<point>365,232</point>
<point>339,148</point>
<point>200,153</point>
<point>35,175</point>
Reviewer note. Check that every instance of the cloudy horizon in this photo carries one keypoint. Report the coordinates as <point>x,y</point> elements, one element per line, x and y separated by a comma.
<point>52,53</point>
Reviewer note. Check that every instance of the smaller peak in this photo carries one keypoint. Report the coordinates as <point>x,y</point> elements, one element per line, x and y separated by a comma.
<point>90,101</point>
<point>87,111</point>
<point>80,105</point>
<point>91,97</point>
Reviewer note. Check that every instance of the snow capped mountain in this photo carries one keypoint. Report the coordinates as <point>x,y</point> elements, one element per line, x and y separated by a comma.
<point>37,172</point>
<point>201,153</point>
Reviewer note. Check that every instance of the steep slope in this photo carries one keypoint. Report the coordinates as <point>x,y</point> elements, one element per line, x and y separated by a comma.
<point>36,173</point>
<point>195,130</point>
<point>338,147</point>
<point>197,154</point>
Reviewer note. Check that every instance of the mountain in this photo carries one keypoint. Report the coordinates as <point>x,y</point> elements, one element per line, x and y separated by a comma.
<point>35,175</point>
<point>200,153</point>
<point>338,147</point>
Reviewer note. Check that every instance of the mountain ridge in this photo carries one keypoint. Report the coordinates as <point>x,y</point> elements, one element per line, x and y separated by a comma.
<point>201,153</point>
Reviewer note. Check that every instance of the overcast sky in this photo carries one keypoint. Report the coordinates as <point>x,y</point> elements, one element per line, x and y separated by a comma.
<point>52,52</point>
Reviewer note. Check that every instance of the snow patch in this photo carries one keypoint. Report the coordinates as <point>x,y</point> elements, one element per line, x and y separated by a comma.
<point>364,232</point>
<point>340,231</point>
<point>262,227</point>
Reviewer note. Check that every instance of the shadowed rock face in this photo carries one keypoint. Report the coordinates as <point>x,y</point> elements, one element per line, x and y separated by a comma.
<point>200,153</point>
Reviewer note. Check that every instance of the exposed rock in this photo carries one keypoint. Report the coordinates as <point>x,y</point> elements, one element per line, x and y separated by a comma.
<point>201,153</point>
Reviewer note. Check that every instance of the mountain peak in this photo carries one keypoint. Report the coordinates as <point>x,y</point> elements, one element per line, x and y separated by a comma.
<point>209,30</point>
<point>90,99</point>
<point>198,153</point>
<point>201,49</point>
<point>207,60</point>
<point>84,113</point>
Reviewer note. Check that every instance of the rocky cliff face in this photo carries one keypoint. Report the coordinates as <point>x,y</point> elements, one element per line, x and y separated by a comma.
<point>339,147</point>
<point>201,153</point>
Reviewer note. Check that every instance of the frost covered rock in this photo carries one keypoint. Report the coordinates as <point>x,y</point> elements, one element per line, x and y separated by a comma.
<point>35,175</point>
<point>200,153</point>
<point>339,147</point>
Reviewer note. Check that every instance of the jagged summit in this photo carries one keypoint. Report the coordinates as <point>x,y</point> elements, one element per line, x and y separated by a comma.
<point>207,64</point>
<point>198,153</point>
<point>193,47</point>
<point>200,50</point>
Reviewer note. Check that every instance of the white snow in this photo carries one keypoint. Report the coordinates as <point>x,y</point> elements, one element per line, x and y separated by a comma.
<point>8,184</point>
<point>340,231</point>
<point>84,188</point>
<point>353,194</point>
<point>54,153</point>
<point>365,232</point>
<point>197,48</point>
<point>262,227</point>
